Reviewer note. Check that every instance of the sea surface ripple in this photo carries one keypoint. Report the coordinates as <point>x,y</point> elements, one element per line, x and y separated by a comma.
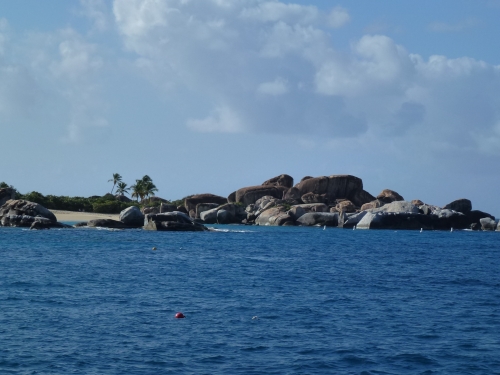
<point>257,300</point>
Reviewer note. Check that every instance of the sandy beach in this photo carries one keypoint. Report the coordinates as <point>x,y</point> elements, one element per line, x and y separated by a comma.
<point>81,216</point>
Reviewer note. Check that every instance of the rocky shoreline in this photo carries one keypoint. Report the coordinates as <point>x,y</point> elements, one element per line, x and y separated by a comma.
<point>333,201</point>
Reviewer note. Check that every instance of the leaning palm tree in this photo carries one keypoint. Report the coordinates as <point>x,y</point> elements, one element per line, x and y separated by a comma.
<point>121,188</point>
<point>116,178</point>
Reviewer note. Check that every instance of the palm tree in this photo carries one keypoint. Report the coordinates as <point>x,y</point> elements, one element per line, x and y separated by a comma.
<point>122,188</point>
<point>137,190</point>
<point>149,188</point>
<point>116,178</point>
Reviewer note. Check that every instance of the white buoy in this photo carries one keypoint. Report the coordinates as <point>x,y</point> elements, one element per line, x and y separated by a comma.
<point>421,230</point>
<point>451,230</point>
<point>255,317</point>
<point>324,227</point>
<point>354,227</point>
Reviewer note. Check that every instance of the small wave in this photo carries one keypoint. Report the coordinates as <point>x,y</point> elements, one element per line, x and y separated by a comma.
<point>229,230</point>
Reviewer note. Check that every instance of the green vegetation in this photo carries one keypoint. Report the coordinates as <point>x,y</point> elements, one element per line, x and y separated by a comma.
<point>106,205</point>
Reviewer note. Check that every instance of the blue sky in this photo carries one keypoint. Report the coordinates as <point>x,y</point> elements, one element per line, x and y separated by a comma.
<point>214,95</point>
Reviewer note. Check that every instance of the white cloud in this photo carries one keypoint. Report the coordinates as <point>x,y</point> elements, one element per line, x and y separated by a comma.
<point>223,51</point>
<point>76,57</point>
<point>96,11</point>
<point>222,120</point>
<point>338,17</point>
<point>277,87</point>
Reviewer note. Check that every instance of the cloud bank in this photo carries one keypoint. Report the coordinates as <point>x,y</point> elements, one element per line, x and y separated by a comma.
<point>273,68</point>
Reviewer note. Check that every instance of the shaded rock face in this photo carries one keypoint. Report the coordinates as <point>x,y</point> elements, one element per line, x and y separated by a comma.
<point>335,187</point>
<point>232,214</point>
<point>172,221</point>
<point>474,218</point>
<point>6,194</point>
<point>319,218</point>
<point>232,197</point>
<point>313,207</point>
<point>460,205</point>
<point>132,216</point>
<point>167,207</point>
<point>408,220</point>
<point>21,213</point>
<point>191,202</point>
<point>360,197</point>
<point>150,210</point>
<point>251,194</point>
<point>201,207</point>
<point>313,198</point>
<point>281,180</point>
<point>388,196</point>
<point>417,202</point>
<point>108,223</point>
<point>293,193</point>
<point>404,220</point>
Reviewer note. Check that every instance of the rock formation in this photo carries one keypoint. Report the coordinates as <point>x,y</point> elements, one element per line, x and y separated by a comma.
<point>21,213</point>
<point>460,205</point>
<point>132,216</point>
<point>172,221</point>
<point>191,201</point>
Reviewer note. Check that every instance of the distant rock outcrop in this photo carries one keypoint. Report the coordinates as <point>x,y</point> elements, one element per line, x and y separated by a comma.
<point>328,189</point>
<point>22,213</point>
<point>191,201</point>
<point>251,194</point>
<point>172,221</point>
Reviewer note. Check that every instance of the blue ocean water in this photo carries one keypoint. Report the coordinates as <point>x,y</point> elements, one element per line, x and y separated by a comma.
<point>86,301</point>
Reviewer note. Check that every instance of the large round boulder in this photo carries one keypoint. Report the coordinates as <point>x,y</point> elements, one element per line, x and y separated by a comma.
<point>251,194</point>
<point>460,205</point>
<point>132,216</point>
<point>281,180</point>
<point>388,196</point>
<point>24,209</point>
<point>335,187</point>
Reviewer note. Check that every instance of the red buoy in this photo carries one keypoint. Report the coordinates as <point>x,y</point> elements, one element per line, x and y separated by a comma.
<point>179,315</point>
